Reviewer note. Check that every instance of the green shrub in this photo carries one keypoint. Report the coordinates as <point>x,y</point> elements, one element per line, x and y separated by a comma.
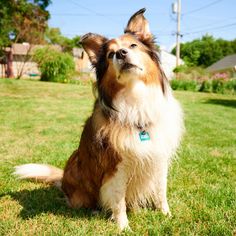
<point>198,79</point>
<point>54,65</point>
<point>206,86</point>
<point>174,84</point>
<point>180,68</point>
<point>209,86</point>
<point>218,86</point>
<point>190,85</point>
<point>230,86</point>
<point>191,73</point>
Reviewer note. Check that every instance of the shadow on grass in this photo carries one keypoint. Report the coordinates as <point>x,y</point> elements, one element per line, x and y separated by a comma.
<point>222,102</point>
<point>48,200</point>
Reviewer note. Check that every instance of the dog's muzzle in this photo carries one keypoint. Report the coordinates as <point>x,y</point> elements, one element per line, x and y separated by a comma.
<point>123,59</point>
<point>122,53</point>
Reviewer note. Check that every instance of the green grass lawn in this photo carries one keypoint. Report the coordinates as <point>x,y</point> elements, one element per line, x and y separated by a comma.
<point>42,122</point>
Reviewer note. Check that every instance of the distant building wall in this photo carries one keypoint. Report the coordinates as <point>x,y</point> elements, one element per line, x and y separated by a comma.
<point>25,66</point>
<point>82,62</point>
<point>168,62</point>
<point>28,68</point>
<point>81,59</point>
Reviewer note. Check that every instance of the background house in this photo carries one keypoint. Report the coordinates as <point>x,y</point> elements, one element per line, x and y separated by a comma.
<point>82,63</point>
<point>19,58</point>
<point>227,63</point>
<point>168,62</point>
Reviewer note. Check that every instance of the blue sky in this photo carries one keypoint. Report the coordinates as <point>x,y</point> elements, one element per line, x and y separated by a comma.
<point>109,18</point>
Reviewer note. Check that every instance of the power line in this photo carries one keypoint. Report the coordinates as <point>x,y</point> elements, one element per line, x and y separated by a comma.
<point>69,14</point>
<point>216,17</point>
<point>214,28</point>
<point>86,8</point>
<point>92,11</point>
<point>161,34</point>
<point>98,14</point>
<point>201,8</point>
<point>211,24</point>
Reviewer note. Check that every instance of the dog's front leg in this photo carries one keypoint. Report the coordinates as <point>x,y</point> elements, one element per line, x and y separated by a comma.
<point>160,201</point>
<point>112,197</point>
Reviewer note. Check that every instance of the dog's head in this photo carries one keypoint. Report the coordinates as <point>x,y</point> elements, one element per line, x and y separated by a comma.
<point>120,62</point>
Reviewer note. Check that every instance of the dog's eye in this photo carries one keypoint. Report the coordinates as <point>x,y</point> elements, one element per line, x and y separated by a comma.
<point>133,45</point>
<point>111,55</point>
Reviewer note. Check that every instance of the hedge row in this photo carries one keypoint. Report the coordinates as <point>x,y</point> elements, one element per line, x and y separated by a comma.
<point>210,86</point>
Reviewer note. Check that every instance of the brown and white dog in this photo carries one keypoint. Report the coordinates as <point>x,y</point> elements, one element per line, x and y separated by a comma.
<point>134,130</point>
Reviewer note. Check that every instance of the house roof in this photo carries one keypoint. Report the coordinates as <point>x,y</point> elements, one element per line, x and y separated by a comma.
<point>227,62</point>
<point>25,48</point>
<point>21,49</point>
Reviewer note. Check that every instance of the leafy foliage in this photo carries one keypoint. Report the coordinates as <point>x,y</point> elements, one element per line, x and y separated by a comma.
<point>209,86</point>
<point>199,52</point>
<point>23,21</point>
<point>54,36</point>
<point>5,26</point>
<point>54,65</point>
<point>190,85</point>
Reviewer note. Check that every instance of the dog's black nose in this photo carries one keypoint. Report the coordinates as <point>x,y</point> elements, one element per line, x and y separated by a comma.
<point>121,54</point>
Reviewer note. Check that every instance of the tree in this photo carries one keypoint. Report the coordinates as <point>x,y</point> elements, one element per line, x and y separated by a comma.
<point>54,36</point>
<point>210,51</point>
<point>233,45</point>
<point>22,21</point>
<point>205,51</point>
<point>76,41</point>
<point>5,23</point>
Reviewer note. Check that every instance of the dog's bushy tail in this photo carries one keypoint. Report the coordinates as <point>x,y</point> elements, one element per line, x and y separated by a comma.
<point>40,172</point>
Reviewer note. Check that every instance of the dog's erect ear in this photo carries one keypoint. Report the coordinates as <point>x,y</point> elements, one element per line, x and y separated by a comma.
<point>139,26</point>
<point>92,44</point>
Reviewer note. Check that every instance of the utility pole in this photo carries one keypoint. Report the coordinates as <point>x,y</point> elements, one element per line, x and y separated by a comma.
<point>176,8</point>
<point>178,33</point>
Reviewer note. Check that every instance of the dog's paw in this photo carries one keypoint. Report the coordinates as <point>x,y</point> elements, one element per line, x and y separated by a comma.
<point>166,211</point>
<point>123,224</point>
<point>121,221</point>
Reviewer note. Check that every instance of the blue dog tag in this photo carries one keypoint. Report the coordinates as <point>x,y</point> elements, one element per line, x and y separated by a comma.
<point>144,136</point>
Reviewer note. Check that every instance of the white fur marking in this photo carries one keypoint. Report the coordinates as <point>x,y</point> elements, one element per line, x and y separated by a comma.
<point>32,171</point>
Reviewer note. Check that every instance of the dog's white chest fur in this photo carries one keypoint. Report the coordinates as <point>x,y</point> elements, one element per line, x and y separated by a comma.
<point>143,162</point>
<point>144,107</point>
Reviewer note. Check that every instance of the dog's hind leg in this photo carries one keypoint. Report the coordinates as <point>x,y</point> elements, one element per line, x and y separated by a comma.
<point>112,197</point>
